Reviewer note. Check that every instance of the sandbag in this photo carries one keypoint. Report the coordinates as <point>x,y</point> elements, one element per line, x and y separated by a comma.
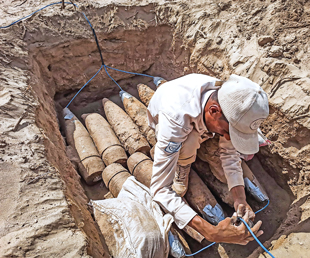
<point>132,224</point>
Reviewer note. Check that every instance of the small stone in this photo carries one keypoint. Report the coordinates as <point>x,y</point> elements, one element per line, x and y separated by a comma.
<point>275,51</point>
<point>287,55</point>
<point>294,49</point>
<point>218,40</point>
<point>263,40</point>
<point>3,144</point>
<point>289,39</point>
<point>296,61</point>
<point>186,69</point>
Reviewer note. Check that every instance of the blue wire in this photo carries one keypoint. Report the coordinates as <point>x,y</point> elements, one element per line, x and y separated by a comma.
<point>253,235</point>
<point>146,75</point>
<point>4,27</point>
<point>84,86</point>
<point>206,247</point>
<point>99,49</point>
<point>263,207</point>
<point>249,231</point>
<point>105,68</point>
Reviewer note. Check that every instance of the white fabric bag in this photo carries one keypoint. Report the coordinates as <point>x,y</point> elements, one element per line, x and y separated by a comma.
<point>132,224</point>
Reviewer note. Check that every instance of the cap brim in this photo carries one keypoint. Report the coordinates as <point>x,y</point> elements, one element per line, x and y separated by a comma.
<point>243,142</point>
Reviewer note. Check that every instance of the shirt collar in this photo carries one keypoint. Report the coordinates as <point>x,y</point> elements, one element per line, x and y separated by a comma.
<point>204,98</point>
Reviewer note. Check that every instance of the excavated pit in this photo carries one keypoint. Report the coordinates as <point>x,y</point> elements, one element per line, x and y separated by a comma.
<point>64,68</point>
<point>132,40</point>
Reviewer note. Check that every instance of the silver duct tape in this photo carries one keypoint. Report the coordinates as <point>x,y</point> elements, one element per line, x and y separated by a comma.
<point>254,190</point>
<point>67,114</point>
<point>176,248</point>
<point>213,214</point>
<point>124,94</point>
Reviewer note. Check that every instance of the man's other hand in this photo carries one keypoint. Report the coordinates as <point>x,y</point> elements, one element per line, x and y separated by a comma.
<point>240,203</point>
<point>228,231</point>
<point>242,208</point>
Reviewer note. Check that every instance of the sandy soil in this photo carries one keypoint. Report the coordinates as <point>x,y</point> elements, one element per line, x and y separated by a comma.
<point>51,55</point>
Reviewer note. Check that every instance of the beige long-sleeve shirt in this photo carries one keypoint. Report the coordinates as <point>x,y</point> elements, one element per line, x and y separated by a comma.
<point>174,111</point>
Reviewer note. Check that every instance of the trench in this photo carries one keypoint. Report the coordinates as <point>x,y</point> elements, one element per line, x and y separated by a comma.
<point>62,67</point>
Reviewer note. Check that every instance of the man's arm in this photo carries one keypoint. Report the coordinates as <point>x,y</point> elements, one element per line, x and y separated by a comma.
<point>169,136</point>
<point>226,231</point>
<point>231,163</point>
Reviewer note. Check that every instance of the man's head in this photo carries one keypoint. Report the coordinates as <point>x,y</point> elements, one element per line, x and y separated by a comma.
<point>214,118</point>
<point>236,111</point>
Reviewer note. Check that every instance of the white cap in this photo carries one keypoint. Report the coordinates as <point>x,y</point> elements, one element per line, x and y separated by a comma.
<point>245,105</point>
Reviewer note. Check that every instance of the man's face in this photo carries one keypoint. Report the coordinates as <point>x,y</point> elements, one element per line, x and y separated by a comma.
<point>216,121</point>
<point>221,127</point>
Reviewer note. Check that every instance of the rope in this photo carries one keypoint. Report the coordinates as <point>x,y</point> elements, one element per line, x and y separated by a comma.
<point>247,226</point>
<point>99,49</point>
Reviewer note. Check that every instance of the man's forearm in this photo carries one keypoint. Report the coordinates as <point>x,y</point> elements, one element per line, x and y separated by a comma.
<point>203,227</point>
<point>238,193</point>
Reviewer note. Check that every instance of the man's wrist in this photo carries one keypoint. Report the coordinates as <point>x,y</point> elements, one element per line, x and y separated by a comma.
<point>238,193</point>
<point>203,227</point>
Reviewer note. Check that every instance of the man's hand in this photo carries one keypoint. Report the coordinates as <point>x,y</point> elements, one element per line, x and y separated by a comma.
<point>229,232</point>
<point>240,203</point>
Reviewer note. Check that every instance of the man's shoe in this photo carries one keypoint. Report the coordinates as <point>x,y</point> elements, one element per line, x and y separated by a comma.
<point>180,182</point>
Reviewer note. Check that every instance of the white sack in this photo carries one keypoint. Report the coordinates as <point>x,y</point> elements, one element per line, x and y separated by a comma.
<point>132,224</point>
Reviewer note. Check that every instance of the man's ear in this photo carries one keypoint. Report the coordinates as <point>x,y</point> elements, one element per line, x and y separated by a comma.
<point>214,110</point>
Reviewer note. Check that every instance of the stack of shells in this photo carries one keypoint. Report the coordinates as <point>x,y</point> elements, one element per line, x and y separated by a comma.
<point>102,150</point>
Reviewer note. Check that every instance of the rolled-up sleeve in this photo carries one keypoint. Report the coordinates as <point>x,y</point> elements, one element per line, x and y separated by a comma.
<point>170,137</point>
<point>231,163</point>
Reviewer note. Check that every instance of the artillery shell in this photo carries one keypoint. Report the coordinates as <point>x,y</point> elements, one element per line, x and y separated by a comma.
<point>125,129</point>
<point>114,176</point>
<point>219,188</point>
<point>78,137</point>
<point>107,143</point>
<point>140,166</point>
<point>202,200</point>
<point>138,113</point>
<point>145,93</point>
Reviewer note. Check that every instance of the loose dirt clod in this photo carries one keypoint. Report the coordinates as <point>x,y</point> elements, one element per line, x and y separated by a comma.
<point>138,113</point>
<point>126,130</point>
<point>108,145</point>
<point>78,137</point>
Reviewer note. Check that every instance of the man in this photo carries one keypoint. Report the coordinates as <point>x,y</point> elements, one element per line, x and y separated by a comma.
<point>184,113</point>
